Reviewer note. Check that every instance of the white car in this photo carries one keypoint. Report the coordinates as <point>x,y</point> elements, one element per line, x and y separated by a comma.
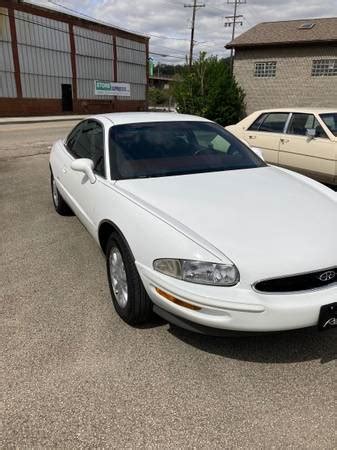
<point>197,227</point>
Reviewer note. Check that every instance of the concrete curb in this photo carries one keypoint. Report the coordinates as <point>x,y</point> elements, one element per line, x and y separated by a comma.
<point>18,120</point>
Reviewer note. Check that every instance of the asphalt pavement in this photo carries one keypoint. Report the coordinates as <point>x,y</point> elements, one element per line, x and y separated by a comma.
<point>17,140</point>
<point>74,375</point>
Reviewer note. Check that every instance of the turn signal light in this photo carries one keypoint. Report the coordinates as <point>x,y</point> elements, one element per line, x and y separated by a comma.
<point>177,301</point>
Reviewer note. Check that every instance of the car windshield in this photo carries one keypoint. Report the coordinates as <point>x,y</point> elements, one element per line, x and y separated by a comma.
<point>158,149</point>
<point>330,120</point>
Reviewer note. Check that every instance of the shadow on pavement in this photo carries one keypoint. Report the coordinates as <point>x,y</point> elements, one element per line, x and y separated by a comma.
<point>287,347</point>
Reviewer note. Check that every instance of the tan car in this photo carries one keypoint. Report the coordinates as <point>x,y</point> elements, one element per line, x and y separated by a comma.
<point>301,139</point>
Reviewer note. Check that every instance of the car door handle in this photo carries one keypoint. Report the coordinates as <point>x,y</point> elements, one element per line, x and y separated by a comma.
<point>252,137</point>
<point>284,141</point>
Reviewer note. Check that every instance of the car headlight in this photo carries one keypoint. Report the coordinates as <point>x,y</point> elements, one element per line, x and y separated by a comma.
<point>198,271</point>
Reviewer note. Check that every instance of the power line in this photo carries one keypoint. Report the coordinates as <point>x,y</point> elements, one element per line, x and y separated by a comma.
<point>21,19</point>
<point>232,21</point>
<point>158,36</point>
<point>195,6</point>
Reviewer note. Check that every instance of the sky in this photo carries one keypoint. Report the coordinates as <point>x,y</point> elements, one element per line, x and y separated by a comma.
<point>168,22</point>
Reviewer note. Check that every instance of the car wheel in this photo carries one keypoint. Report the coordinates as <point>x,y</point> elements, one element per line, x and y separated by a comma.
<point>59,204</point>
<point>127,291</point>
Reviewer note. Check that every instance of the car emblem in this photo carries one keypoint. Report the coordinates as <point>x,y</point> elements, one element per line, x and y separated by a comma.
<point>327,276</point>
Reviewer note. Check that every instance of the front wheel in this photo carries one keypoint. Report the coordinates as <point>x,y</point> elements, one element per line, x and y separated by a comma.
<point>127,291</point>
<point>59,204</point>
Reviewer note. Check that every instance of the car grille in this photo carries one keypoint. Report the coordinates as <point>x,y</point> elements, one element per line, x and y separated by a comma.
<point>295,283</point>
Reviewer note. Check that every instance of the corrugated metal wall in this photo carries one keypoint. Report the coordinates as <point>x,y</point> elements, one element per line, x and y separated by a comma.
<point>44,55</point>
<point>94,61</point>
<point>131,66</point>
<point>7,77</point>
<point>44,52</point>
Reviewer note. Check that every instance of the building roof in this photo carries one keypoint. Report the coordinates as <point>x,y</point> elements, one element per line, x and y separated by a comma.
<point>291,32</point>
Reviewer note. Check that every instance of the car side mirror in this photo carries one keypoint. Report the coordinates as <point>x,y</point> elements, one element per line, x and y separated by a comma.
<point>258,152</point>
<point>311,133</point>
<point>86,166</point>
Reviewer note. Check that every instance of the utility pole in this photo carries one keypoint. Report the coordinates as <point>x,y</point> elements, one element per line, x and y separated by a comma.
<point>195,6</point>
<point>232,21</point>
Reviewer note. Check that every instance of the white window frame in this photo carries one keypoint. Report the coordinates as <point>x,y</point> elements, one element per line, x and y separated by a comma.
<point>324,67</point>
<point>265,69</point>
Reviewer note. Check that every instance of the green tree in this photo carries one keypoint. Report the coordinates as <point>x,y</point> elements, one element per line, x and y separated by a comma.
<point>158,97</point>
<point>209,90</point>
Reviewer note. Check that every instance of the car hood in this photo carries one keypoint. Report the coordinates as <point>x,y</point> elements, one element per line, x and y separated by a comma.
<point>269,222</point>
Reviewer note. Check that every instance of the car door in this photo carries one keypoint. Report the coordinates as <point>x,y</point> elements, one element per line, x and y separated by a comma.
<point>266,133</point>
<point>87,142</point>
<point>313,156</point>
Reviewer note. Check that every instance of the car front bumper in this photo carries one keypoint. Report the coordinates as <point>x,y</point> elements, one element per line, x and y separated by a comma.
<point>237,308</point>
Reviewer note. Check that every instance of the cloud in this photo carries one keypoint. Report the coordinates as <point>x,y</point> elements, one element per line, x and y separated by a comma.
<point>170,20</point>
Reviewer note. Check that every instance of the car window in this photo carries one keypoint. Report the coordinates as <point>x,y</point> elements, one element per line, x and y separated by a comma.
<point>301,122</point>
<point>73,135</point>
<point>274,123</point>
<point>330,120</point>
<point>161,149</point>
<point>87,141</point>
<point>256,125</point>
<point>313,123</point>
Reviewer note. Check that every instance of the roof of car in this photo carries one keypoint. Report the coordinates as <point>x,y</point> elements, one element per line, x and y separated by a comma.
<point>139,117</point>
<point>299,110</point>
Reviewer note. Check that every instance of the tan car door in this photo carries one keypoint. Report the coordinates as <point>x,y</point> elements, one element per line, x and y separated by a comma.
<point>312,156</point>
<point>266,133</point>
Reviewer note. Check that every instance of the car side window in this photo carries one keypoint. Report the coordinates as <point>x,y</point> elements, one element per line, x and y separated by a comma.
<point>72,137</point>
<point>301,122</point>
<point>313,123</point>
<point>274,123</point>
<point>256,124</point>
<point>87,141</point>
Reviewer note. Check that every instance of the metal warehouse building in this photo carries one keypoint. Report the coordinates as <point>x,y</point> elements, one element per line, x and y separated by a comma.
<point>54,63</point>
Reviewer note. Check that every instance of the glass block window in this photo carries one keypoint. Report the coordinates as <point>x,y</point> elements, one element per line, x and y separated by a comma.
<point>324,67</point>
<point>265,69</point>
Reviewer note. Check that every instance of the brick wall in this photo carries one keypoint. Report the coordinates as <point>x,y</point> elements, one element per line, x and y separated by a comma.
<point>293,85</point>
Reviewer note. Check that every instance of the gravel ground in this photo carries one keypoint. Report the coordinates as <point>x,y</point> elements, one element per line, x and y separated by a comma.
<point>75,375</point>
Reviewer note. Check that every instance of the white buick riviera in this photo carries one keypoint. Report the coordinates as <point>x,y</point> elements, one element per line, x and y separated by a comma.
<point>196,227</point>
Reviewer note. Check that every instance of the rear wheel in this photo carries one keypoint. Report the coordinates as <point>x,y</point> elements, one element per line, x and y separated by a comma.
<point>127,291</point>
<point>59,204</point>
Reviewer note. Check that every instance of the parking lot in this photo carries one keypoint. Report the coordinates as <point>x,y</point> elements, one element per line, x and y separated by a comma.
<point>76,376</point>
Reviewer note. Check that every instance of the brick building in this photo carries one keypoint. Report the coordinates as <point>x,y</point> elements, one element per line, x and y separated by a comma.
<point>52,63</point>
<point>288,64</point>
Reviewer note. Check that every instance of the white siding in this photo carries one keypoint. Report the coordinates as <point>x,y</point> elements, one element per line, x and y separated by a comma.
<point>94,68</point>
<point>41,32</point>
<point>92,43</point>
<point>94,61</point>
<point>7,77</point>
<point>131,73</point>
<point>44,55</point>
<point>39,86</point>
<point>39,61</point>
<point>131,66</point>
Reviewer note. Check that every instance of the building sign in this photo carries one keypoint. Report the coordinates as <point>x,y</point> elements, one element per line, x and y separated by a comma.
<point>111,88</point>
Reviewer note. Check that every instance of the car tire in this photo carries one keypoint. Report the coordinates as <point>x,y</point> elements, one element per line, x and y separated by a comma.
<point>129,297</point>
<point>59,204</point>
